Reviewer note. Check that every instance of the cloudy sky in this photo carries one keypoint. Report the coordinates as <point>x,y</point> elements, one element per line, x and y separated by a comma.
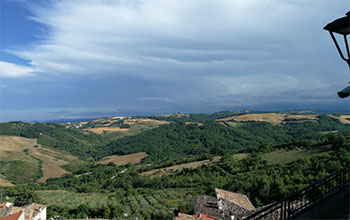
<point>90,58</point>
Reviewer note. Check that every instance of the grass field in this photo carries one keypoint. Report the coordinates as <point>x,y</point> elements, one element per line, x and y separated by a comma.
<point>274,118</point>
<point>5,182</point>
<point>284,157</point>
<point>23,160</point>
<point>17,165</point>
<point>139,125</point>
<point>177,168</point>
<point>52,160</point>
<point>240,156</point>
<point>134,129</point>
<point>123,160</point>
<point>14,144</point>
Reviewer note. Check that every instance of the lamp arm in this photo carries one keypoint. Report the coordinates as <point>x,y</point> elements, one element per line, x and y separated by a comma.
<point>338,48</point>
<point>347,50</point>
<point>347,46</point>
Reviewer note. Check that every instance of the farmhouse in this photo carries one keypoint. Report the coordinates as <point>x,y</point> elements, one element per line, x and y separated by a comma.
<point>33,211</point>
<point>226,205</point>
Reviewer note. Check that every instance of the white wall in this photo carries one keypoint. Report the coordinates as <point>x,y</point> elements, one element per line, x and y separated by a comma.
<point>41,215</point>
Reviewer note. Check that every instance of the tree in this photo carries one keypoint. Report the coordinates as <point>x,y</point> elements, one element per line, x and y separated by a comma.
<point>25,197</point>
<point>106,212</point>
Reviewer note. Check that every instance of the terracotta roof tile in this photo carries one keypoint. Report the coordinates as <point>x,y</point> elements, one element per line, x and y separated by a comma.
<point>206,217</point>
<point>182,216</point>
<point>13,216</point>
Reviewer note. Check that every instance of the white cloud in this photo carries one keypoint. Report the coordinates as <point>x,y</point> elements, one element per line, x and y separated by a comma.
<point>85,37</point>
<point>13,70</point>
<point>188,49</point>
<point>158,99</point>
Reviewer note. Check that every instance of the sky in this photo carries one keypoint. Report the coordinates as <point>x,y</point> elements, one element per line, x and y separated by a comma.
<point>93,58</point>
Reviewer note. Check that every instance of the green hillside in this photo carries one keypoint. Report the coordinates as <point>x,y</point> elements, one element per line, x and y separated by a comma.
<point>179,139</point>
<point>174,140</point>
<point>265,161</point>
<point>79,143</point>
<point>130,192</point>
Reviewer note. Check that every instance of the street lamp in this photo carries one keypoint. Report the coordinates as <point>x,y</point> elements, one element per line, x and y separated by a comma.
<point>341,26</point>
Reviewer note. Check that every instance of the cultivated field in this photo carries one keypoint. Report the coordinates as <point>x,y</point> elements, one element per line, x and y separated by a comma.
<point>274,118</point>
<point>14,144</point>
<point>194,123</point>
<point>177,115</point>
<point>177,168</point>
<point>5,182</point>
<point>345,119</point>
<point>284,157</point>
<point>106,130</point>
<point>302,117</point>
<point>230,123</point>
<point>18,166</point>
<point>21,157</point>
<point>146,121</point>
<point>123,160</point>
<point>122,126</point>
<point>52,160</point>
<point>240,156</point>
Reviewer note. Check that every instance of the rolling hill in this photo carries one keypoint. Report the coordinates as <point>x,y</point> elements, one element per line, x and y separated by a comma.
<point>23,160</point>
<point>51,150</point>
<point>166,160</point>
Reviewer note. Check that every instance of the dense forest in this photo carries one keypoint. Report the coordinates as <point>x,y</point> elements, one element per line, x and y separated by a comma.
<point>124,190</point>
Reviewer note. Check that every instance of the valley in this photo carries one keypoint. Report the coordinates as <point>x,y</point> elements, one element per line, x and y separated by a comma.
<point>148,166</point>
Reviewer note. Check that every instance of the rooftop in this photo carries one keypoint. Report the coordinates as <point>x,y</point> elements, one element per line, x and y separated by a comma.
<point>29,211</point>
<point>235,198</point>
<point>14,216</point>
<point>182,216</point>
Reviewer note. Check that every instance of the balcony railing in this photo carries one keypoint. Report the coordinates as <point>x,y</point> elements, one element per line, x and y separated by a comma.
<point>303,199</point>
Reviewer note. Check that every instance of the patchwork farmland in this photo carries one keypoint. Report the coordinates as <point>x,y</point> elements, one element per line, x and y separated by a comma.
<point>22,159</point>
